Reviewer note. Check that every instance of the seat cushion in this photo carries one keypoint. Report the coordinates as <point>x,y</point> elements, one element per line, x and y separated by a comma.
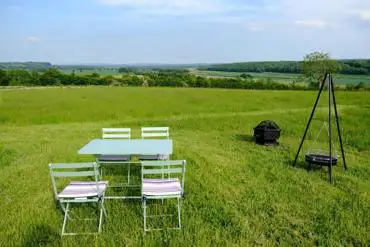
<point>154,157</point>
<point>114,157</point>
<point>161,187</point>
<point>83,189</point>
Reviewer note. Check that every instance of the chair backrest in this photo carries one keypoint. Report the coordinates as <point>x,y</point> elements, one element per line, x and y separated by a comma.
<point>155,132</point>
<point>161,167</point>
<point>62,170</point>
<point>116,133</point>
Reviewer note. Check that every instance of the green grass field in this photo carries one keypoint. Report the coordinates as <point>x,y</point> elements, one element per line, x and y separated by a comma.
<point>287,77</point>
<point>237,193</point>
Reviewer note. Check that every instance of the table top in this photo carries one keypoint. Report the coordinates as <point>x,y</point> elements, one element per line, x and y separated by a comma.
<point>122,147</point>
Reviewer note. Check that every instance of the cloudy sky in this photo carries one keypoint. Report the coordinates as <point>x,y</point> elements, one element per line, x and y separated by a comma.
<point>181,31</point>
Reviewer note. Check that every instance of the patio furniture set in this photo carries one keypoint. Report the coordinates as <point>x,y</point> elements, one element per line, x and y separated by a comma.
<point>161,178</point>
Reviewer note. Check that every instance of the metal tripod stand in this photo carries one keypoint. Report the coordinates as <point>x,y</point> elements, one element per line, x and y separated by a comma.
<point>332,101</point>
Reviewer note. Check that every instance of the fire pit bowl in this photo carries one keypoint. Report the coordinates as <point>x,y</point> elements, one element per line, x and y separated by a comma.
<point>266,132</point>
<point>320,159</point>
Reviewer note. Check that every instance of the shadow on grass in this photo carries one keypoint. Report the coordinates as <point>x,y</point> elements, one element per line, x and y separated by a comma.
<point>305,166</point>
<point>245,138</point>
<point>298,164</point>
<point>41,235</point>
<point>124,191</point>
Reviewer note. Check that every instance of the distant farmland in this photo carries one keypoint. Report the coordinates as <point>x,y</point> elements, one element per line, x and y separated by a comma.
<point>278,77</point>
<point>285,77</point>
<point>350,75</point>
<point>87,71</point>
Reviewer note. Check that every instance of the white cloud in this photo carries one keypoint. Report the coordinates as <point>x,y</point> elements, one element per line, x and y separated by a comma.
<point>255,26</point>
<point>365,15</point>
<point>310,23</point>
<point>226,19</point>
<point>33,39</point>
<point>331,14</point>
<point>174,7</point>
<point>328,11</point>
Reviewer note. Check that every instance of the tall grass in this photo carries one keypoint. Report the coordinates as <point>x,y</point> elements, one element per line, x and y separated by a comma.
<point>237,193</point>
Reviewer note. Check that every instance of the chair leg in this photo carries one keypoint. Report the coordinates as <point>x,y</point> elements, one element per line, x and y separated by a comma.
<point>144,214</point>
<point>65,218</point>
<point>102,210</point>
<point>64,210</point>
<point>162,178</point>
<point>101,172</point>
<point>179,201</point>
<point>100,168</point>
<point>128,175</point>
<point>103,207</point>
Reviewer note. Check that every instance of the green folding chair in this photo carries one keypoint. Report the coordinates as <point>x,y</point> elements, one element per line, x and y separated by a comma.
<point>115,134</point>
<point>155,133</point>
<point>161,188</point>
<point>77,192</point>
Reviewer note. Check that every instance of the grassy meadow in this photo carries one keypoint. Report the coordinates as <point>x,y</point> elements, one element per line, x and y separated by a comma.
<point>237,193</point>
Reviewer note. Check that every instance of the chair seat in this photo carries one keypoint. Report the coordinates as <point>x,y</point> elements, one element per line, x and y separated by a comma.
<point>114,157</point>
<point>154,157</point>
<point>161,187</point>
<point>83,189</point>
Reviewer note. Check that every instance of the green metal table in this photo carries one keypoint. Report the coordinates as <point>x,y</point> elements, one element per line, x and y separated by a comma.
<point>127,147</point>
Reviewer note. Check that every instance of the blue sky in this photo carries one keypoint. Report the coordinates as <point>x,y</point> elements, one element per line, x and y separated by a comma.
<point>181,31</point>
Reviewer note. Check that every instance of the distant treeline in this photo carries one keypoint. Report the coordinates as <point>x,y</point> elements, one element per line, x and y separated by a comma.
<point>36,66</point>
<point>43,66</point>
<point>161,78</point>
<point>85,68</point>
<point>352,67</point>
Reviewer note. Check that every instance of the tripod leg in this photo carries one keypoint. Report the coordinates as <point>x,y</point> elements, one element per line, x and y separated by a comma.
<point>309,121</point>
<point>338,126</point>
<point>330,132</point>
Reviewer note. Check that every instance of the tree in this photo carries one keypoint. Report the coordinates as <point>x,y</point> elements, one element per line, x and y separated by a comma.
<point>95,75</point>
<point>201,82</point>
<point>20,77</point>
<point>4,78</point>
<point>246,76</point>
<point>35,77</point>
<point>124,70</point>
<point>50,77</point>
<point>315,65</point>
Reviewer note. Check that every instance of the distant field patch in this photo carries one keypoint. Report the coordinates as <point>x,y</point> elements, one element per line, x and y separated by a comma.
<point>285,77</point>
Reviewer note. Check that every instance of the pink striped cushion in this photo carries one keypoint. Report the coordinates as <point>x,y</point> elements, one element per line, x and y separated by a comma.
<point>161,187</point>
<point>83,189</point>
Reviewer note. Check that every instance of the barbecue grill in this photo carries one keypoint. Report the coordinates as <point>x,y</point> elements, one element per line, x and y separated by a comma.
<point>320,157</point>
<point>266,132</point>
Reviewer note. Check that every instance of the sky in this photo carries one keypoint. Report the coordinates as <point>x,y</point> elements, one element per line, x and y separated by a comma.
<point>181,31</point>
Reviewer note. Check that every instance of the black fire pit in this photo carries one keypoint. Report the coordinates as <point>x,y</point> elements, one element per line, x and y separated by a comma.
<point>266,133</point>
<point>318,157</point>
